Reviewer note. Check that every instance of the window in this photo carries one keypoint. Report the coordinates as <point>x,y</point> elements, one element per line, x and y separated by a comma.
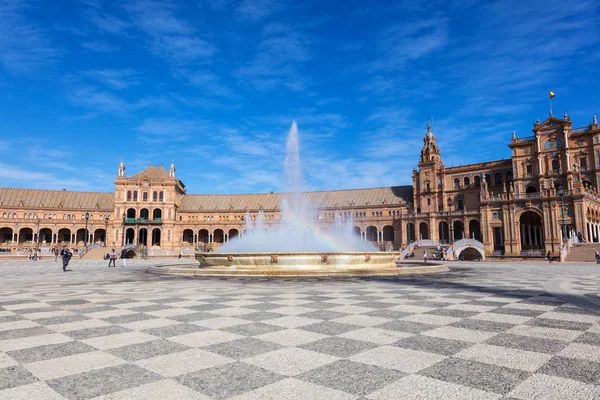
<point>456,183</point>
<point>428,202</point>
<point>129,195</point>
<point>467,181</point>
<point>597,158</point>
<point>154,196</point>
<point>498,179</point>
<point>145,196</point>
<point>528,169</point>
<point>428,188</point>
<point>488,179</point>
<point>477,181</point>
<point>160,196</point>
<point>135,195</point>
<point>583,163</point>
<point>555,165</point>
<point>460,204</point>
<point>509,176</point>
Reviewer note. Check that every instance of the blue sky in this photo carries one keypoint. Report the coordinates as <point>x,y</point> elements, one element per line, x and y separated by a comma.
<point>214,85</point>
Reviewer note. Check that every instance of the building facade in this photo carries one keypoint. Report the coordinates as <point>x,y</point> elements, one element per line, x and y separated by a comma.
<point>529,204</point>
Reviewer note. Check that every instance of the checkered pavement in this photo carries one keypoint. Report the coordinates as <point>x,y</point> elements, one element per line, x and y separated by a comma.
<point>121,334</point>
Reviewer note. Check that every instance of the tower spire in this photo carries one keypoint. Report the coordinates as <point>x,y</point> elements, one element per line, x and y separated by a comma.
<point>121,168</point>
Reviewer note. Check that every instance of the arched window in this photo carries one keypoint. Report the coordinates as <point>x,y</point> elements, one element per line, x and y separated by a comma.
<point>69,216</point>
<point>129,195</point>
<point>509,176</point>
<point>15,215</point>
<point>498,179</point>
<point>555,165</point>
<point>161,196</point>
<point>145,196</point>
<point>467,181</point>
<point>477,182</point>
<point>488,179</point>
<point>154,196</point>
<point>135,195</point>
<point>456,183</point>
<point>45,216</point>
<point>4,215</point>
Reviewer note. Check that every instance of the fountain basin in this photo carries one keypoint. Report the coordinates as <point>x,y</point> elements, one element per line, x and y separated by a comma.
<point>299,264</point>
<point>299,260</point>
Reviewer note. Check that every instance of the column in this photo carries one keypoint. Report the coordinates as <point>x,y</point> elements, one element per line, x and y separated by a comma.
<point>91,241</point>
<point>588,230</point>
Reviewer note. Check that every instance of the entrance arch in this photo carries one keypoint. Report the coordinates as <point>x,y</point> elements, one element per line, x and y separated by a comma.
<point>188,236</point>
<point>371,233</point>
<point>64,236</point>
<point>26,235</point>
<point>129,236</point>
<point>218,236</point>
<point>475,229</point>
<point>232,234</point>
<point>6,235</point>
<point>143,237</point>
<point>156,237</point>
<point>459,230</point>
<point>203,236</point>
<point>423,231</point>
<point>532,231</point>
<point>45,236</point>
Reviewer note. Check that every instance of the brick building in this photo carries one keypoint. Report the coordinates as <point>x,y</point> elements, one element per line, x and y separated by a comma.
<point>526,205</point>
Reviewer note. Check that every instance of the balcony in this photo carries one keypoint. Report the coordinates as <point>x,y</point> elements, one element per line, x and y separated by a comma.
<point>142,221</point>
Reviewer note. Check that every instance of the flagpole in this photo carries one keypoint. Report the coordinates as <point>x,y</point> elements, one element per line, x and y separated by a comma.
<point>550,105</point>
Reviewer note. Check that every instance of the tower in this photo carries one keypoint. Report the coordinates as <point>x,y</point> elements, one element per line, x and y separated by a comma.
<point>172,169</point>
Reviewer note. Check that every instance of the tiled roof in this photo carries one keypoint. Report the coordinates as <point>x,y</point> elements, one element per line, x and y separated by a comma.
<point>152,173</point>
<point>326,199</point>
<point>12,197</point>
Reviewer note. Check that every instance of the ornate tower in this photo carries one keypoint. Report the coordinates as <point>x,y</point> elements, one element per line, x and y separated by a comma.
<point>428,180</point>
<point>172,169</point>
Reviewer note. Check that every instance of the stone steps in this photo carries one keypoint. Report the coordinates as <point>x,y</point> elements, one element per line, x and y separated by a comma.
<point>582,253</point>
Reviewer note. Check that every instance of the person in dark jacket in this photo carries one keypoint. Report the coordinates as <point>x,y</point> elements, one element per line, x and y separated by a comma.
<point>66,257</point>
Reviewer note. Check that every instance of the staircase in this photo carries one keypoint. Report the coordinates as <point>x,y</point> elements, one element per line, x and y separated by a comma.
<point>582,252</point>
<point>96,254</point>
<point>422,249</point>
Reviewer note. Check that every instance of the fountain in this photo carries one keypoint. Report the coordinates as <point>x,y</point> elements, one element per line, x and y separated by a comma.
<point>293,246</point>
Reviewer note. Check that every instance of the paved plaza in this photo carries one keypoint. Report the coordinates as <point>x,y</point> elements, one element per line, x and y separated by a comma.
<point>482,331</point>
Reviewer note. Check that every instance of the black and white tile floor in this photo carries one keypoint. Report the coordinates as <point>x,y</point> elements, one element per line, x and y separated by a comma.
<point>484,331</point>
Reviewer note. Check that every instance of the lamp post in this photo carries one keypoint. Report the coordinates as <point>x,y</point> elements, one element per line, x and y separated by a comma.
<point>561,194</point>
<point>449,219</point>
<point>123,231</point>
<point>85,236</point>
<point>105,229</point>
<point>37,241</point>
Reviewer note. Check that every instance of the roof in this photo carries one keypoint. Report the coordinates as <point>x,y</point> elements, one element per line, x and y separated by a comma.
<point>12,197</point>
<point>152,173</point>
<point>324,199</point>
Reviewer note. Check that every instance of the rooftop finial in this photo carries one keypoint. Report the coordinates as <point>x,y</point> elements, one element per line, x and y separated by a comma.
<point>594,120</point>
<point>514,135</point>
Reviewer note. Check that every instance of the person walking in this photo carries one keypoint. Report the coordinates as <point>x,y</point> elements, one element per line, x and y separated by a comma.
<point>123,259</point>
<point>112,258</point>
<point>425,256</point>
<point>55,255</point>
<point>66,257</point>
<point>549,257</point>
<point>597,255</point>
